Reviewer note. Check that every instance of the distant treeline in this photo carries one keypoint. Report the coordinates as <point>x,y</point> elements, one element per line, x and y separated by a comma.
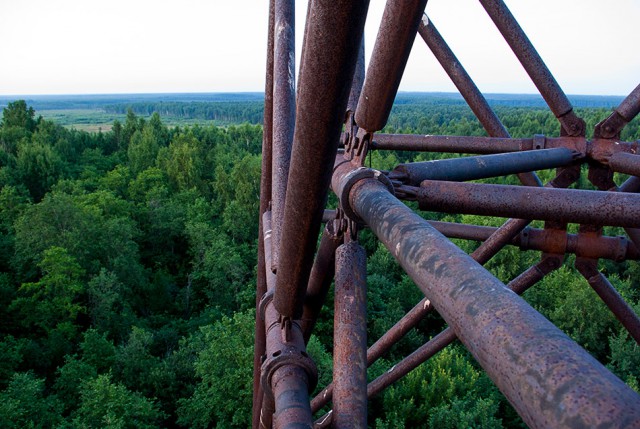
<point>222,112</point>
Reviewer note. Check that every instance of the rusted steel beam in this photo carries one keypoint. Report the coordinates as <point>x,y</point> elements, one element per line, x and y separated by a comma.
<point>468,89</point>
<point>625,163</point>
<point>545,240</point>
<point>632,184</point>
<point>334,28</point>
<point>390,54</point>
<point>358,80</point>
<point>498,239</point>
<point>610,296</point>
<point>562,205</point>
<point>350,338</point>
<point>547,377</point>
<point>481,167</point>
<point>284,113</point>
<point>461,79</point>
<point>519,285</point>
<point>288,374</point>
<point>384,343</point>
<point>534,66</point>
<point>621,116</point>
<point>321,277</point>
<point>265,196</point>
<point>449,144</point>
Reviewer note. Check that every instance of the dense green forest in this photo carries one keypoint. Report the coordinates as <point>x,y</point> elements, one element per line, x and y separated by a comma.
<point>127,278</point>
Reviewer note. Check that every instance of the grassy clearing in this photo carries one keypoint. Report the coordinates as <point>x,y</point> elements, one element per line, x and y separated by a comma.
<point>96,120</point>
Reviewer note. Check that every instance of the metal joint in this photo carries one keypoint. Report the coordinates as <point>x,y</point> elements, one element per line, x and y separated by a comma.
<point>539,141</point>
<point>287,354</point>
<point>264,302</point>
<point>345,180</point>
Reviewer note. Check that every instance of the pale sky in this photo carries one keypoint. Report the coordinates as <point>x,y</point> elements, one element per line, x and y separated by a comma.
<point>141,46</point>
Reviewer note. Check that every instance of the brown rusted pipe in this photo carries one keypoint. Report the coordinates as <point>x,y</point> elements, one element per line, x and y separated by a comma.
<point>284,113</point>
<point>632,184</point>
<point>483,166</point>
<point>461,79</point>
<point>625,163</point>
<point>350,338</point>
<point>610,296</point>
<point>334,28</point>
<point>358,80</point>
<point>562,205</point>
<point>384,343</point>
<point>390,54</point>
<point>468,90</point>
<point>534,66</point>
<point>287,374</point>
<point>496,241</point>
<point>621,116</point>
<point>519,285</point>
<point>265,195</point>
<point>320,278</point>
<point>613,248</point>
<point>449,144</point>
<point>546,376</point>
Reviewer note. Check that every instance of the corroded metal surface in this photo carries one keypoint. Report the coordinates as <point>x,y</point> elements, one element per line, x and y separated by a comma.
<point>499,329</point>
<point>550,380</point>
<point>334,28</point>
<point>350,338</point>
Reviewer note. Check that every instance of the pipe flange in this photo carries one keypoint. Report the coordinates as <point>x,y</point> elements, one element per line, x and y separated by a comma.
<point>353,177</point>
<point>264,302</point>
<point>287,355</point>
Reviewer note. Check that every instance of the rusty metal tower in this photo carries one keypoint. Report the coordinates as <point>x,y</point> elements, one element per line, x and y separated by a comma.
<point>316,139</point>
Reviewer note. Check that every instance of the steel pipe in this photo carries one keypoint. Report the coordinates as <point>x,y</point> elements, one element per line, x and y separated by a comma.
<point>350,338</point>
<point>625,163</point>
<point>321,277</point>
<point>548,378</point>
<point>384,343</point>
<point>544,240</point>
<point>265,195</point>
<point>334,28</point>
<point>562,205</point>
<point>621,116</point>
<point>288,374</point>
<point>390,54</point>
<point>461,79</point>
<point>481,167</point>
<point>610,296</point>
<point>534,66</point>
<point>449,144</point>
<point>358,80</point>
<point>284,113</point>
<point>519,285</point>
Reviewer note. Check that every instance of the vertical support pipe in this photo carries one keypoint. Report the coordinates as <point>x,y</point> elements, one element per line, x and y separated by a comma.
<point>534,66</point>
<point>320,279</point>
<point>265,195</point>
<point>284,112</point>
<point>350,338</point>
<point>610,296</point>
<point>287,374</point>
<point>390,54</point>
<point>335,29</point>
<point>547,377</point>
<point>358,80</point>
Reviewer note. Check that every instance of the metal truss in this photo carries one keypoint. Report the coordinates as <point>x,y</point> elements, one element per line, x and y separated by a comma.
<point>316,138</point>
